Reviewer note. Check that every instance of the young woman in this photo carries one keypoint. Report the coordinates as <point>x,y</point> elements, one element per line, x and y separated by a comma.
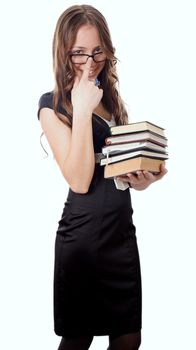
<point>97,282</point>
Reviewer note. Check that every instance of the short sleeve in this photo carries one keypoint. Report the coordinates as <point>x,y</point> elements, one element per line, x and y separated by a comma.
<point>45,101</point>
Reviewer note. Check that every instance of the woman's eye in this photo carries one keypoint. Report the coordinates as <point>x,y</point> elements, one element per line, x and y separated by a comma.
<point>77,52</point>
<point>97,50</point>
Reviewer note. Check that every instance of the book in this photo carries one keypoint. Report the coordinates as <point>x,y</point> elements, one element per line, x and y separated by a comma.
<point>132,165</point>
<point>133,154</point>
<point>136,137</point>
<point>124,147</point>
<point>137,127</point>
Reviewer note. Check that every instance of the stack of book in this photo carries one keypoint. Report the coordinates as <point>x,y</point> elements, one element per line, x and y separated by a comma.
<point>133,147</point>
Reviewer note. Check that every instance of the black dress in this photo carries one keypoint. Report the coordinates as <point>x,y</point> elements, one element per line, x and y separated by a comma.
<point>97,281</point>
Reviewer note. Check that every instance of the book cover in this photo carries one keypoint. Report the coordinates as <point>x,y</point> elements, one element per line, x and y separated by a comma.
<point>132,165</point>
<point>135,137</point>
<point>133,154</point>
<point>137,127</point>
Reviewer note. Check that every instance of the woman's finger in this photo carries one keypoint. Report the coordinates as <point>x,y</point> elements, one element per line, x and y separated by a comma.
<point>76,82</point>
<point>87,67</point>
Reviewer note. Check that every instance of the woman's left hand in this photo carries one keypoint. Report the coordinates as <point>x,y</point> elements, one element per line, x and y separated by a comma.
<point>142,179</point>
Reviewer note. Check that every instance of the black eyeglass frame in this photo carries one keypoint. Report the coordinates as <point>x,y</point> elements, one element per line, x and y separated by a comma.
<point>83,54</point>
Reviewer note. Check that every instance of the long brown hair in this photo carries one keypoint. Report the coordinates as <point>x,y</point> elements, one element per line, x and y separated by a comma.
<point>66,30</point>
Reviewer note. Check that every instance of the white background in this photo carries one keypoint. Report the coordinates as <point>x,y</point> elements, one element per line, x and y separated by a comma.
<point>155,43</point>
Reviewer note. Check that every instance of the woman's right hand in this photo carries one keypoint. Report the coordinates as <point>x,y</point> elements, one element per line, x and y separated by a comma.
<point>85,95</point>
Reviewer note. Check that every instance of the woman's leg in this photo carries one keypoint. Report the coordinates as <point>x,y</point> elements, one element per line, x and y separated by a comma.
<point>82,343</point>
<point>130,341</point>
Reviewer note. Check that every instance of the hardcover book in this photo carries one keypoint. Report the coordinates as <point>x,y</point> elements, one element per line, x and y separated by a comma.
<point>132,165</point>
<point>133,154</point>
<point>137,127</point>
<point>136,137</point>
<point>124,147</point>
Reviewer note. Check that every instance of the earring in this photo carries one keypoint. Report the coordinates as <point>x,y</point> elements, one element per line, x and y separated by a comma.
<point>97,82</point>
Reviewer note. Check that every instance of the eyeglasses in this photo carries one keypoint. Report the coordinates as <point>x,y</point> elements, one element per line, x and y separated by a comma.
<point>82,58</point>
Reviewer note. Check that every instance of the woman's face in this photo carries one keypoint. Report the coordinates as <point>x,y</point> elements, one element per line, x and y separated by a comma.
<point>87,43</point>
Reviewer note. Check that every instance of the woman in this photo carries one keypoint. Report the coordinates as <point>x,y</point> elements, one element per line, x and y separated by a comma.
<point>97,282</point>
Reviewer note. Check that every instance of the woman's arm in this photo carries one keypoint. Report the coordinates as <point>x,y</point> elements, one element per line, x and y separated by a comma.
<point>73,148</point>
